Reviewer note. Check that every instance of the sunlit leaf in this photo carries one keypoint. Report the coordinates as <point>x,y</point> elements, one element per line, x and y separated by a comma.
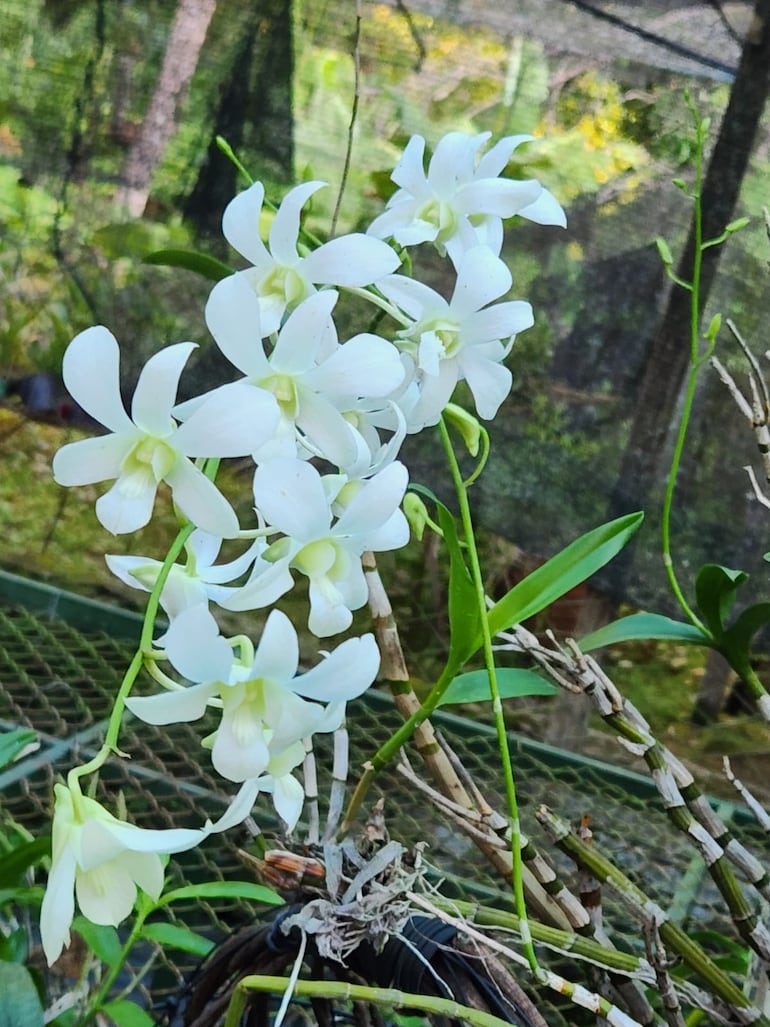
<point>102,939</point>
<point>563,572</point>
<point>125,1013</point>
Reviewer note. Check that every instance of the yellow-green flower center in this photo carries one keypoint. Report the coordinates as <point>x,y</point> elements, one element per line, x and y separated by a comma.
<point>285,282</point>
<point>152,454</point>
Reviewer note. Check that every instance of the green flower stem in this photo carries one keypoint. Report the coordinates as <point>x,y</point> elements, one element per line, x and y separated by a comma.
<point>146,906</point>
<point>372,296</point>
<point>696,362</point>
<point>341,991</point>
<point>517,878</point>
<point>110,744</point>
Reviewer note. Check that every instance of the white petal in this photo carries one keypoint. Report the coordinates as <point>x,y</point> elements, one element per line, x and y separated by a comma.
<point>269,584</point>
<point>545,210</point>
<point>128,504</point>
<point>284,230</point>
<point>58,906</point>
<point>409,173</point>
<point>453,160</point>
<point>288,799</point>
<point>326,429</point>
<point>365,365</point>
<point>415,298</point>
<point>155,392</point>
<point>201,501</point>
<point>344,674</point>
<point>481,278</point>
<point>91,372</point>
<point>290,496</point>
<point>500,321</point>
<point>233,318</point>
<point>240,749</point>
<point>375,502</point>
<point>304,333</point>
<point>277,655</point>
<point>232,422</point>
<point>238,810</point>
<point>91,460</point>
<point>195,647</point>
<point>352,260</point>
<point>106,893</point>
<point>495,159</point>
<point>435,393</point>
<point>327,615</point>
<point>182,707</point>
<point>240,224</point>
<point>489,382</point>
<point>502,197</point>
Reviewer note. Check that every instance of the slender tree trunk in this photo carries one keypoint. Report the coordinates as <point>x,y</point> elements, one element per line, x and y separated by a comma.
<point>668,359</point>
<point>188,33</point>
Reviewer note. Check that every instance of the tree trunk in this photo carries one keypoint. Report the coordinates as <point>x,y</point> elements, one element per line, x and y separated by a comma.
<point>254,115</point>
<point>188,33</point>
<point>668,359</point>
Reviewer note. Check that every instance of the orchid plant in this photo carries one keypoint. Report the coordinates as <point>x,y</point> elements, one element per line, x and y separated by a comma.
<point>323,420</point>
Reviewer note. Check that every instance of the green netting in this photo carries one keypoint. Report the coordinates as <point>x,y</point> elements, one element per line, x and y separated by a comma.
<point>59,680</point>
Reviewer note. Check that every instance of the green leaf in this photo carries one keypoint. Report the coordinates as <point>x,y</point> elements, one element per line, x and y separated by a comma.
<point>209,267</point>
<point>715,590</point>
<point>13,742</point>
<point>171,936</point>
<point>102,939</point>
<point>512,683</point>
<point>641,626</point>
<point>735,643</point>
<point>20,1006</point>
<point>22,896</point>
<point>562,572</point>
<point>462,605</point>
<point>125,1013</point>
<point>14,947</point>
<point>15,863</point>
<point>223,890</point>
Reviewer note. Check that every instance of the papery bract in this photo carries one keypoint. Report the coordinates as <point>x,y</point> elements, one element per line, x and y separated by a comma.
<point>102,860</point>
<point>281,275</point>
<point>461,201</point>
<point>153,447</point>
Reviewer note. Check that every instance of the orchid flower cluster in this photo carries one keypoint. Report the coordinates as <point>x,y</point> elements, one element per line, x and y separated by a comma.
<point>323,421</point>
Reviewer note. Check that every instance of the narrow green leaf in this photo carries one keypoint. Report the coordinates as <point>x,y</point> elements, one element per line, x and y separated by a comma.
<point>13,742</point>
<point>512,682</point>
<point>715,590</point>
<point>102,939</point>
<point>22,896</point>
<point>209,267</point>
<point>223,890</point>
<point>562,572</point>
<point>462,605</point>
<point>173,937</point>
<point>15,863</point>
<point>641,626</point>
<point>125,1013</point>
<point>20,1005</point>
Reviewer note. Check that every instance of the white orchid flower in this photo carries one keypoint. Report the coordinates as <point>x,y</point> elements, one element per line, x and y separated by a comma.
<point>103,860</point>
<point>288,794</point>
<point>461,201</point>
<point>150,447</point>
<point>311,375</point>
<point>281,276</point>
<point>265,707</point>
<point>460,339</point>
<point>198,580</point>
<point>291,497</point>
